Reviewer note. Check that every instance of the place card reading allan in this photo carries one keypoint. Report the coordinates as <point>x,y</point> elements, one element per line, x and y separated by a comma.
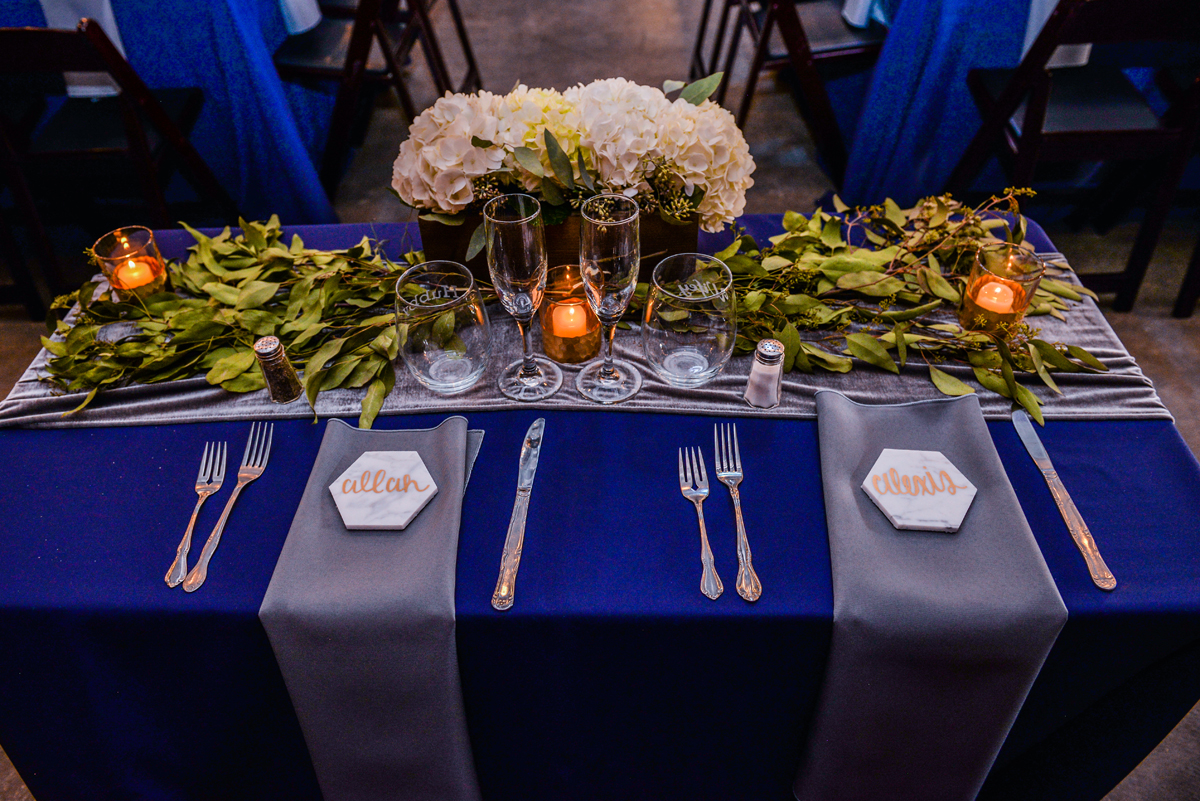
<point>919,490</point>
<point>383,490</point>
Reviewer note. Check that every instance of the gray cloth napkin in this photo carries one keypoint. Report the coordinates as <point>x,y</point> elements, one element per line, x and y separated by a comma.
<point>937,638</point>
<point>362,625</point>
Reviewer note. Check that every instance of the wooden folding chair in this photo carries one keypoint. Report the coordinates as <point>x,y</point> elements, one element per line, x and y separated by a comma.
<point>369,49</point>
<point>92,144</point>
<point>1032,114</point>
<point>813,33</point>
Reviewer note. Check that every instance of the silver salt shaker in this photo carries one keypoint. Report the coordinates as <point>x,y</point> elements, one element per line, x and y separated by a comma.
<point>283,385</point>
<point>766,375</point>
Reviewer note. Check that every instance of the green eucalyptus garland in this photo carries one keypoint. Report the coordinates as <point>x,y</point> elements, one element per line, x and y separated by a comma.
<point>880,284</point>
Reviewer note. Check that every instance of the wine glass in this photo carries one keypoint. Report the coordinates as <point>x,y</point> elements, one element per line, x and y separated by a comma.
<point>516,256</point>
<point>609,257</point>
<point>690,321</point>
<point>442,326</point>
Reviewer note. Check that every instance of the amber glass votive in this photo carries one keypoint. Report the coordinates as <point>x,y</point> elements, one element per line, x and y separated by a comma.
<point>570,329</point>
<point>1000,288</point>
<point>130,261</point>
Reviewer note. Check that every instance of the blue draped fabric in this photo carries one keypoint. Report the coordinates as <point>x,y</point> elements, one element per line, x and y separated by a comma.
<point>612,677</point>
<point>260,136</point>
<point>918,115</point>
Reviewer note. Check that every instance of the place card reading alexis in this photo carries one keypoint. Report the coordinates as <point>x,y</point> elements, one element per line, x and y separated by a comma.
<point>920,490</point>
<point>383,490</point>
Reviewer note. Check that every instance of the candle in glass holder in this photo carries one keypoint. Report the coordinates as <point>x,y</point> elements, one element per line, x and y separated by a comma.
<point>130,261</point>
<point>570,329</point>
<point>1000,287</point>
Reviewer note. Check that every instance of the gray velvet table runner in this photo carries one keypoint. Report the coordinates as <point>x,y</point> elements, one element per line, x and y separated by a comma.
<point>362,625</point>
<point>937,638</point>
<point>1123,393</point>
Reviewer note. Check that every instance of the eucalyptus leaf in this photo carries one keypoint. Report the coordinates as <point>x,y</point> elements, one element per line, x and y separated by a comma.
<point>372,402</point>
<point>867,348</point>
<point>789,337</point>
<point>230,367</point>
<point>559,162</point>
<point>478,240</point>
<point>529,160</point>
<point>948,384</point>
<point>699,91</point>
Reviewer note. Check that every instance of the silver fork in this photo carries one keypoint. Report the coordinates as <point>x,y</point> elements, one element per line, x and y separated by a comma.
<point>691,471</point>
<point>729,471</point>
<point>212,466</point>
<point>254,461</point>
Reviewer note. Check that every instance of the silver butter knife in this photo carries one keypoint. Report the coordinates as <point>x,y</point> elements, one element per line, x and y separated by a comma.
<point>1101,575</point>
<point>502,598</point>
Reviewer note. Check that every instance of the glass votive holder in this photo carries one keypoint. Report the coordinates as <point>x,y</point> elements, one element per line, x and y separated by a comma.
<point>570,329</point>
<point>1000,288</point>
<point>130,261</point>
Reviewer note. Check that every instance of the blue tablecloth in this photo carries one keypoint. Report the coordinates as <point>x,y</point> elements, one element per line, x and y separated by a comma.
<point>917,116</point>
<point>260,136</point>
<point>612,677</point>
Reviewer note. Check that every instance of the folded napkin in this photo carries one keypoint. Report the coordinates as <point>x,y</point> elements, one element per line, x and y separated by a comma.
<point>937,637</point>
<point>362,625</point>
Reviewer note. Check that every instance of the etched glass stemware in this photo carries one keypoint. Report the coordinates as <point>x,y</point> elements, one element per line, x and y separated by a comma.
<point>609,257</point>
<point>516,256</point>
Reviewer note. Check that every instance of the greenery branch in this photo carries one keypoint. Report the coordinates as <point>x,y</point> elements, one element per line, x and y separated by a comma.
<point>882,284</point>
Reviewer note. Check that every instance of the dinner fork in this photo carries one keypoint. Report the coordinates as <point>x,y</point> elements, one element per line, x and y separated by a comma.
<point>254,461</point>
<point>691,471</point>
<point>729,470</point>
<point>212,473</point>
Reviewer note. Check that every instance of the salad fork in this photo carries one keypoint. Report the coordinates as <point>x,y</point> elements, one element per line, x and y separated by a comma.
<point>691,471</point>
<point>729,470</point>
<point>254,461</point>
<point>212,473</point>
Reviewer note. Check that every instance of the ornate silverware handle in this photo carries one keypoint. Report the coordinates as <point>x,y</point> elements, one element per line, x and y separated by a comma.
<point>748,585</point>
<point>200,571</point>
<point>710,582</point>
<point>1101,575</point>
<point>506,585</point>
<point>178,569</point>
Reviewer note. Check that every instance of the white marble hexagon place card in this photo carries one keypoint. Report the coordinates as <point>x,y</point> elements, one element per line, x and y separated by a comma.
<point>383,490</point>
<point>919,490</point>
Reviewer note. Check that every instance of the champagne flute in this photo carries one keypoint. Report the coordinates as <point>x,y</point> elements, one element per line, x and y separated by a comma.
<point>516,256</point>
<point>609,256</point>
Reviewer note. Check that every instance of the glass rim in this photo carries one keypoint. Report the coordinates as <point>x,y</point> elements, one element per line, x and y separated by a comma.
<point>711,259</point>
<point>113,233</point>
<point>450,302</point>
<point>615,196</point>
<point>537,208</point>
<point>1009,247</point>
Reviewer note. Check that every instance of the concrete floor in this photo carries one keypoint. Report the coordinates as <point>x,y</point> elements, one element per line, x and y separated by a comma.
<point>557,43</point>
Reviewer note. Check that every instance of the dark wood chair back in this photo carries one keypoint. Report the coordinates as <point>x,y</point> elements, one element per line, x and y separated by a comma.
<point>1092,114</point>
<point>31,56</point>
<point>813,32</point>
<point>370,47</point>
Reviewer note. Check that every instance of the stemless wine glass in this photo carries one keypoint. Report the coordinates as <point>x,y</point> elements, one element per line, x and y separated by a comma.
<point>609,256</point>
<point>442,326</point>
<point>690,320</point>
<point>516,256</point>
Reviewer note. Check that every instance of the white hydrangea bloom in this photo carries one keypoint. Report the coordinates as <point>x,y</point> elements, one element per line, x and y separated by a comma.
<point>438,160</point>
<point>524,116</point>
<point>704,145</point>
<point>618,124</point>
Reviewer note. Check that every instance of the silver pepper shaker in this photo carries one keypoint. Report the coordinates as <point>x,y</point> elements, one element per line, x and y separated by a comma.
<point>766,375</point>
<point>283,385</point>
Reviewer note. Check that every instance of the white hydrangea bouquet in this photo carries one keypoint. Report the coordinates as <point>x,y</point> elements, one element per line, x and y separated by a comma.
<point>682,159</point>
